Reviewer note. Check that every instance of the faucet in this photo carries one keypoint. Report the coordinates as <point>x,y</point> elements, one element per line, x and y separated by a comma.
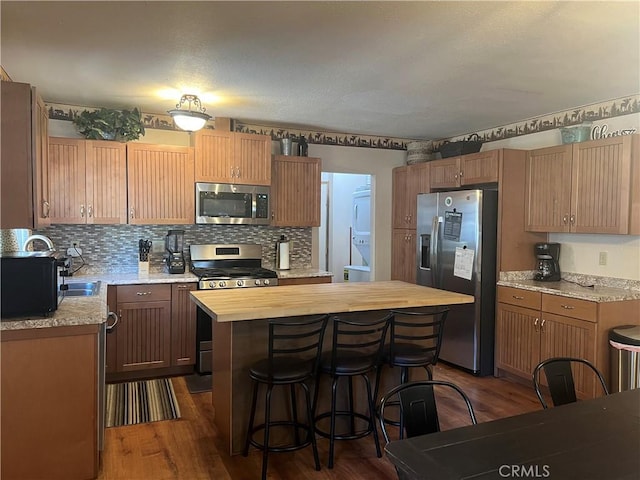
<point>46,240</point>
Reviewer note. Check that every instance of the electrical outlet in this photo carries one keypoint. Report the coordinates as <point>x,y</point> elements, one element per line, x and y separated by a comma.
<point>157,246</point>
<point>75,243</point>
<point>602,258</point>
<point>74,251</point>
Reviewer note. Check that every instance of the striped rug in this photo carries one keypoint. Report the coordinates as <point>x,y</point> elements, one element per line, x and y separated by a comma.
<point>140,402</point>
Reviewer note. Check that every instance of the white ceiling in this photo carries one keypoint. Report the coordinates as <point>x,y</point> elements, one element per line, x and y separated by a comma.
<point>423,70</point>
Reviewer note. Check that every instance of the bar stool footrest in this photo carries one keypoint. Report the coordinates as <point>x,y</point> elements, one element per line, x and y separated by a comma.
<point>306,429</point>
<point>343,436</point>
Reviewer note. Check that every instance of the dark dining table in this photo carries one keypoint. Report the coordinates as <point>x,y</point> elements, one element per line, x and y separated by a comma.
<point>590,439</point>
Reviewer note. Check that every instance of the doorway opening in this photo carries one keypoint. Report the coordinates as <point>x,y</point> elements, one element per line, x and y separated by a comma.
<point>345,246</point>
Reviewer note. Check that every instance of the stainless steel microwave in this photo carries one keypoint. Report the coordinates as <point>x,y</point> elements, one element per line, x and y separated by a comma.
<point>225,203</point>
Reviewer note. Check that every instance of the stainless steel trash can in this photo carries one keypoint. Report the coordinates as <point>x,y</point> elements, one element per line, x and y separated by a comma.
<point>624,342</point>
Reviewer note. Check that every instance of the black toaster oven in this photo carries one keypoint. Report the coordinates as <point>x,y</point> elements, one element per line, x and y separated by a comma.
<point>29,283</point>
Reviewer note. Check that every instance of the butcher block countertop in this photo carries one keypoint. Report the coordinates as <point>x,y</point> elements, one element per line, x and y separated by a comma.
<point>291,300</point>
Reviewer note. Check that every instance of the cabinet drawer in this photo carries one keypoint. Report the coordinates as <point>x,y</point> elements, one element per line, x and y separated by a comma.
<point>144,293</point>
<point>520,297</point>
<point>570,307</point>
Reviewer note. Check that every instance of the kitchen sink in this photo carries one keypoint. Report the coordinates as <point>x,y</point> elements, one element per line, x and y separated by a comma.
<point>82,289</point>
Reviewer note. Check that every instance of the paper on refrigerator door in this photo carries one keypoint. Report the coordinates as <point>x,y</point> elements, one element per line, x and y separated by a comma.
<point>463,263</point>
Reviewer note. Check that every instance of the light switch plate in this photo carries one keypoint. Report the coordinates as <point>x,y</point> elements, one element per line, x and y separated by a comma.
<point>602,259</point>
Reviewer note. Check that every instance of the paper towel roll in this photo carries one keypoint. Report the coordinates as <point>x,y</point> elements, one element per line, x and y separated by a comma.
<point>283,259</point>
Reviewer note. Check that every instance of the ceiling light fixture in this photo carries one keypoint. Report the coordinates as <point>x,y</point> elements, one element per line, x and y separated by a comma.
<point>191,119</point>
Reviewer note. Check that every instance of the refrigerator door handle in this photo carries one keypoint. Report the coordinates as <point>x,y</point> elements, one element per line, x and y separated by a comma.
<point>433,249</point>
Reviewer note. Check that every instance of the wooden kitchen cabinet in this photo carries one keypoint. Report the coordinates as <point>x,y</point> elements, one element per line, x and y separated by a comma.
<point>183,324</point>
<point>160,184</point>
<point>472,169</point>
<point>403,257</point>
<point>407,182</point>
<point>584,187</point>
<point>295,191</point>
<point>49,403</point>
<point>232,157</point>
<point>143,333</point>
<point>87,181</point>
<point>303,280</point>
<point>24,132</point>
<point>533,326</point>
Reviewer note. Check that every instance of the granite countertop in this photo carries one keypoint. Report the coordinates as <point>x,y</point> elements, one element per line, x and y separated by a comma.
<point>595,293</point>
<point>93,310</point>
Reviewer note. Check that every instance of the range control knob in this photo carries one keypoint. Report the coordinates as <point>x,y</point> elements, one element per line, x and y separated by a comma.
<point>239,283</point>
<point>212,284</point>
<point>257,282</point>
<point>222,283</point>
<point>266,281</point>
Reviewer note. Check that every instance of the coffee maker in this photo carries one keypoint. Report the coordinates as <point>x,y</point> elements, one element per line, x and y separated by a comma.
<point>173,257</point>
<point>547,255</point>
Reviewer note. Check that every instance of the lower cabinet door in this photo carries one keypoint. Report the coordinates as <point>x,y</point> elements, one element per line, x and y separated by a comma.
<point>143,335</point>
<point>570,337</point>
<point>517,339</point>
<point>183,324</point>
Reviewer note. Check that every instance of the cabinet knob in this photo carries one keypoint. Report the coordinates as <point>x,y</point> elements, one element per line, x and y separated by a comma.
<point>82,210</point>
<point>565,219</point>
<point>535,324</point>
<point>46,209</point>
<point>237,172</point>
<point>90,211</point>
<point>131,212</point>
<point>572,219</point>
<point>460,174</point>
<point>542,325</point>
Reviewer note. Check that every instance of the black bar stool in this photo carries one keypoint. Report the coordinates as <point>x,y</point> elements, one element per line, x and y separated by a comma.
<point>295,345</point>
<point>415,341</point>
<point>356,350</point>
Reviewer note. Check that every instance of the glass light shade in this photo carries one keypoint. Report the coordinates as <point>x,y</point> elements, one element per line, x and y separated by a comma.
<point>189,121</point>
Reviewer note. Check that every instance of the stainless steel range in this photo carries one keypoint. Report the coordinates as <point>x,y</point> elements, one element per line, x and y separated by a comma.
<point>219,267</point>
<point>230,266</point>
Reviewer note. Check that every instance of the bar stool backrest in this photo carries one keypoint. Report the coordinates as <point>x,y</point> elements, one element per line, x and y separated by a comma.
<point>560,379</point>
<point>355,333</point>
<point>422,328</point>
<point>298,337</point>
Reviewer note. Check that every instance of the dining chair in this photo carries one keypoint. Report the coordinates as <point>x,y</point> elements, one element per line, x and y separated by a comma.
<point>558,371</point>
<point>356,349</point>
<point>418,407</point>
<point>295,345</point>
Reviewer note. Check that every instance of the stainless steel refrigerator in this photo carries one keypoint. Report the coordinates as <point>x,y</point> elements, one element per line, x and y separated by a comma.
<point>456,251</point>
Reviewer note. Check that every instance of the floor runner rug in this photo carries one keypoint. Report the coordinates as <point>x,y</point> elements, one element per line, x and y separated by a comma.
<point>140,402</point>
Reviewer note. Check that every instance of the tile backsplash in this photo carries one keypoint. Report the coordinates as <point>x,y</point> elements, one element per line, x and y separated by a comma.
<point>114,248</point>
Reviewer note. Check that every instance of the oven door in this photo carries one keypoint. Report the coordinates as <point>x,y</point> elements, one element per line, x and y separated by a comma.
<point>222,203</point>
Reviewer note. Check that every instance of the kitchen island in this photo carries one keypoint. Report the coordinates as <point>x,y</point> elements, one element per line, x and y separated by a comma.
<point>240,333</point>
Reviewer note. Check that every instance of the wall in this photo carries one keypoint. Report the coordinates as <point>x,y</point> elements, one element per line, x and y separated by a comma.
<point>378,163</point>
<point>580,252</point>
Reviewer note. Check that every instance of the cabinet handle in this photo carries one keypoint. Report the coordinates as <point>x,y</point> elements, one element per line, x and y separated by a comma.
<point>460,174</point>
<point>455,176</point>
<point>46,209</point>
<point>238,172</point>
<point>535,324</point>
<point>517,297</point>
<point>572,219</point>
<point>542,325</point>
<point>143,293</point>
<point>567,307</point>
<point>131,212</point>
<point>183,287</point>
<point>116,319</point>
<point>565,219</point>
<point>82,210</point>
<point>90,211</point>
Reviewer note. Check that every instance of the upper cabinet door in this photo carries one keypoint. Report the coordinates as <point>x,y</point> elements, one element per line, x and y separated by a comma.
<point>445,173</point>
<point>67,173</point>
<point>214,156</point>
<point>106,182</point>
<point>481,167</point>
<point>252,161</point>
<point>295,191</point>
<point>160,184</point>
<point>600,187</point>
<point>548,189</point>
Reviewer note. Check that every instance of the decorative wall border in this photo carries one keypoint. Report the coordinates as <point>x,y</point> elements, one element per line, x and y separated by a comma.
<point>597,111</point>
<point>589,113</point>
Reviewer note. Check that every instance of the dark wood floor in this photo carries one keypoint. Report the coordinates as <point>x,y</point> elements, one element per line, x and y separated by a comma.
<point>188,448</point>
